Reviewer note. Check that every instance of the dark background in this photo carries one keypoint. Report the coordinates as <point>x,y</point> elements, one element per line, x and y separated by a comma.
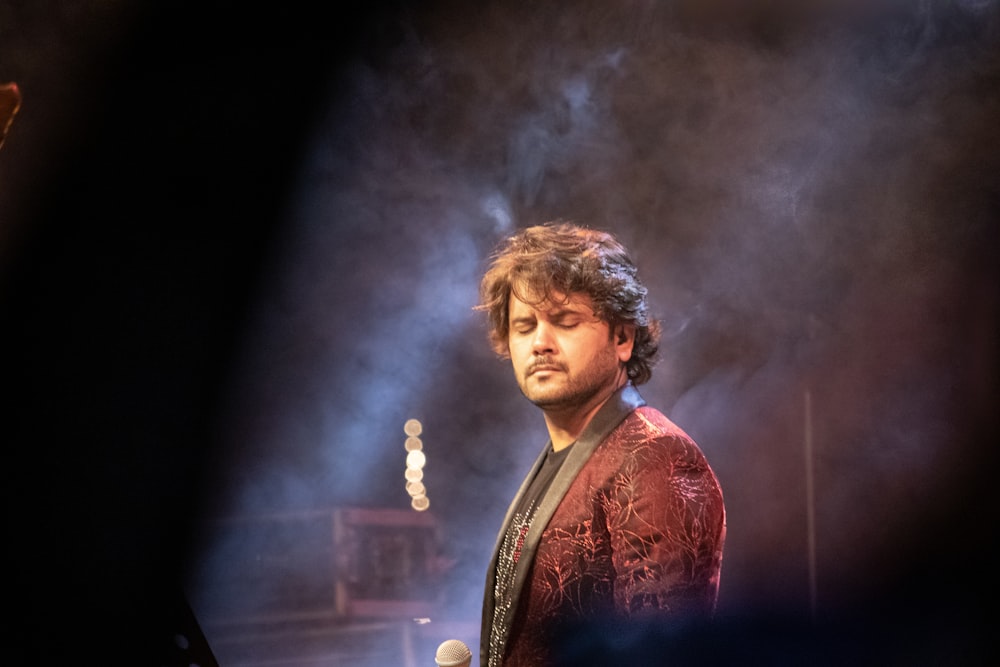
<point>240,247</point>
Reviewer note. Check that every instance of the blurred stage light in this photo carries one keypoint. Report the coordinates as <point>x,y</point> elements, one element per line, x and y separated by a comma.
<point>415,462</point>
<point>416,459</point>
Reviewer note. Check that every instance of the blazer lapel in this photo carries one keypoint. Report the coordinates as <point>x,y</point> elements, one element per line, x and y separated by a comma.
<point>489,603</point>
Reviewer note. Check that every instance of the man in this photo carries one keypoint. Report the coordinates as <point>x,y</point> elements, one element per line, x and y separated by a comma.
<point>621,516</point>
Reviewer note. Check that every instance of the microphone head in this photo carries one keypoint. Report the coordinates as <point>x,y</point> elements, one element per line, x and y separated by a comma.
<point>453,653</point>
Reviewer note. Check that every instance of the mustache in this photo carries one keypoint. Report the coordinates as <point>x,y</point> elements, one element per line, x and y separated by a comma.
<point>546,363</point>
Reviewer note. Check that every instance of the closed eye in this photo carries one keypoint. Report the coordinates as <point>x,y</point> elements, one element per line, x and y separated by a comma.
<point>567,320</point>
<point>523,326</point>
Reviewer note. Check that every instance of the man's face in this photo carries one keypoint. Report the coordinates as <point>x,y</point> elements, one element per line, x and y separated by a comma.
<point>563,354</point>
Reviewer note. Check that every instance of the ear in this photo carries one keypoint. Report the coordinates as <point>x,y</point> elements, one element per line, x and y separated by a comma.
<point>624,341</point>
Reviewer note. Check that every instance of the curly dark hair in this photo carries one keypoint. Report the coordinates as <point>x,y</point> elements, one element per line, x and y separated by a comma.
<point>567,258</point>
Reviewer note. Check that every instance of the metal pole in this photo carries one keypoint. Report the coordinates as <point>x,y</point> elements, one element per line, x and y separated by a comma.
<point>810,502</point>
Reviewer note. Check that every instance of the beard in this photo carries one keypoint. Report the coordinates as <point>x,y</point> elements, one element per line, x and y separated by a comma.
<point>564,391</point>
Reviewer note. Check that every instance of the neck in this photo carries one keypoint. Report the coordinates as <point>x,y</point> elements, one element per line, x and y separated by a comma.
<point>566,425</point>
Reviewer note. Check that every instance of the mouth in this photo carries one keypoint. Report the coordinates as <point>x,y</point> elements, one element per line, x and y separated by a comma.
<point>543,368</point>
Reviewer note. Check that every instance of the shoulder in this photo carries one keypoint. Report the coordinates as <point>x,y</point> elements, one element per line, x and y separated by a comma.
<point>646,423</point>
<point>656,423</point>
<point>649,435</point>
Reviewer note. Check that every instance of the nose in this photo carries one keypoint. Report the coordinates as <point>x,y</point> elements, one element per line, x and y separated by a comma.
<point>543,341</point>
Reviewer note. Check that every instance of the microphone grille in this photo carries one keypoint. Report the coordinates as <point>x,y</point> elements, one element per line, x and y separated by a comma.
<point>452,652</point>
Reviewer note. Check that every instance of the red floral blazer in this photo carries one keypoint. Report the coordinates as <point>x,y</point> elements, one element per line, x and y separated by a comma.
<point>633,524</point>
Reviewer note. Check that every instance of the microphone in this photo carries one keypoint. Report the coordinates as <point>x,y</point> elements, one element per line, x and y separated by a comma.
<point>453,653</point>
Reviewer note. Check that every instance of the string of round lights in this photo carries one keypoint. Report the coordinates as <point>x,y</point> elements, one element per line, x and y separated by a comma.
<point>415,462</point>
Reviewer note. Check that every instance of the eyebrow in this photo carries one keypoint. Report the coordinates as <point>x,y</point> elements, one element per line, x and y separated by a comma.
<point>563,313</point>
<point>557,314</point>
<point>522,318</point>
